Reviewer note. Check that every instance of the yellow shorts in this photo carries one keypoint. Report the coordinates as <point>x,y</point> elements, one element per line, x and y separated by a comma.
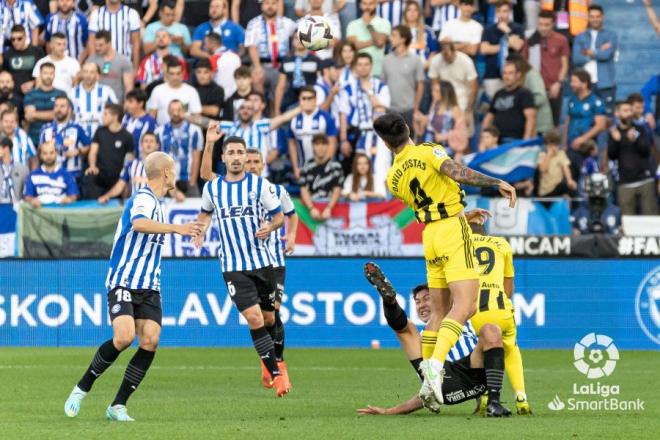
<point>448,252</point>
<point>503,319</point>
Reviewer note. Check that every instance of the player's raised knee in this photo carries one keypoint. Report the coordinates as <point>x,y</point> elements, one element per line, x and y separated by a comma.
<point>491,336</point>
<point>123,340</point>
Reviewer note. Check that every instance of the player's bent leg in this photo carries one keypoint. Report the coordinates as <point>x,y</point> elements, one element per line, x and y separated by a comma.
<point>493,359</point>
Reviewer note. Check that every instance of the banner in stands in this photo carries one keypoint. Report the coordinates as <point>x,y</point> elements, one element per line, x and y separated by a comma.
<point>328,303</point>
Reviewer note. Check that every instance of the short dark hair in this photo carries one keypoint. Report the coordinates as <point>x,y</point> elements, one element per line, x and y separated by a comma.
<point>466,2</point>
<point>45,65</point>
<point>115,109</point>
<point>243,72</point>
<point>595,7</point>
<point>635,97</point>
<point>59,35</point>
<point>404,32</point>
<point>203,64</point>
<point>419,288</point>
<point>65,98</point>
<point>501,3</point>
<point>364,55</point>
<point>104,35</point>
<point>621,102</point>
<point>233,140</point>
<point>150,133</point>
<point>253,151</point>
<point>171,61</point>
<point>583,76</point>
<point>167,4</point>
<point>552,137</point>
<point>138,95</point>
<point>259,94</point>
<point>547,14</point>
<point>308,89</point>
<point>17,29</point>
<point>392,128</point>
<point>6,143</point>
<point>320,138</point>
<point>492,130</point>
<point>215,37</point>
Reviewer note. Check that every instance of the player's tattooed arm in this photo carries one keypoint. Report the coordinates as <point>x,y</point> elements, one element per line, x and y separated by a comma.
<point>462,174</point>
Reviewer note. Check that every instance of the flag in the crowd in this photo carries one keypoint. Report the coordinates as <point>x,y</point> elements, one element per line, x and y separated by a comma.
<point>511,162</point>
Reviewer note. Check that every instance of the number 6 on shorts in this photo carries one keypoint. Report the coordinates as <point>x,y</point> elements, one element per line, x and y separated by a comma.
<point>231,289</point>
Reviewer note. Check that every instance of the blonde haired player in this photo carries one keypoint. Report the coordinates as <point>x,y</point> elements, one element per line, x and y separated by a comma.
<point>495,264</point>
<point>427,180</point>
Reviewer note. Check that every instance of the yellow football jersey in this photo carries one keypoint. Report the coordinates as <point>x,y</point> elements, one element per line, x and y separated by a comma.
<point>495,262</point>
<point>415,178</point>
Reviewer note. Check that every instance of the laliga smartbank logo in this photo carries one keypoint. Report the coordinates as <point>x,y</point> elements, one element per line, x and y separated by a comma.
<point>595,356</point>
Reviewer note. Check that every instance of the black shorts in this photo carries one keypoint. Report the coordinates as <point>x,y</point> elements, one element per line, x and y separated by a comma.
<point>138,303</point>
<point>461,382</point>
<point>280,276</point>
<point>251,287</point>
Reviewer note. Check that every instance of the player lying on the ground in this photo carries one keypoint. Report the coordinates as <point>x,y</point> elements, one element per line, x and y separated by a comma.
<point>280,243</point>
<point>133,284</point>
<point>495,265</point>
<point>248,211</point>
<point>467,378</point>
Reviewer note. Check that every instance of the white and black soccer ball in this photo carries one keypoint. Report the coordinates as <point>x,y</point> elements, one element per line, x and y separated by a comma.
<point>314,32</point>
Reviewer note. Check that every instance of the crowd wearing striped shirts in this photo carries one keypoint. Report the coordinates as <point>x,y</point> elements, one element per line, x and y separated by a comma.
<point>138,127</point>
<point>67,137</point>
<point>241,208</point>
<point>256,134</point>
<point>133,174</point>
<point>302,129</point>
<point>181,142</point>
<point>276,239</point>
<point>88,105</point>
<point>72,24</point>
<point>121,24</point>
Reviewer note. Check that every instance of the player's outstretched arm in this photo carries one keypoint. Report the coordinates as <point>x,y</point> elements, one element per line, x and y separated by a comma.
<point>462,174</point>
<point>148,226</point>
<point>411,405</point>
<point>212,136</point>
<point>204,220</point>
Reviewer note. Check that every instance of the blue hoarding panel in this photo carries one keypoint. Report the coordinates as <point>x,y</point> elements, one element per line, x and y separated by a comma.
<point>328,303</point>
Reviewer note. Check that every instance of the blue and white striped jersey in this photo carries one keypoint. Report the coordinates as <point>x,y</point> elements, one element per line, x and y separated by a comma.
<point>391,11</point>
<point>180,143</point>
<point>354,101</point>
<point>134,175</point>
<point>23,12</point>
<point>121,25</point>
<point>272,39</point>
<point>442,14</point>
<point>22,147</point>
<point>303,127</point>
<point>465,345</point>
<point>322,91</point>
<point>135,258</point>
<point>138,127</point>
<point>241,208</point>
<point>75,27</point>
<point>256,135</point>
<point>67,136</point>
<point>88,105</point>
<point>275,241</point>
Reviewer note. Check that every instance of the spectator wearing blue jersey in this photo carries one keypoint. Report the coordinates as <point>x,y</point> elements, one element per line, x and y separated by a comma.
<point>179,33</point>
<point>71,23</point>
<point>585,120</point>
<point>651,90</point>
<point>23,12</point>
<point>593,51</point>
<point>71,140</point>
<point>297,70</point>
<point>136,119</point>
<point>40,102</point>
<point>23,150</point>
<point>232,34</point>
<point>327,88</point>
<point>184,142</point>
<point>302,129</point>
<point>12,174</point>
<point>50,183</point>
<point>20,59</point>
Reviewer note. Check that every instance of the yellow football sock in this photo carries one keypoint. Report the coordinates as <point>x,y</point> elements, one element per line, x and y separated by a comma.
<point>513,365</point>
<point>449,333</point>
<point>429,339</point>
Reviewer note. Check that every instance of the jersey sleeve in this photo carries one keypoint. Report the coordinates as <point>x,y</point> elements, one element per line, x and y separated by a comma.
<point>207,200</point>
<point>269,198</point>
<point>94,21</point>
<point>287,204</point>
<point>134,20</point>
<point>197,140</point>
<point>144,206</point>
<point>435,155</point>
<point>509,271</point>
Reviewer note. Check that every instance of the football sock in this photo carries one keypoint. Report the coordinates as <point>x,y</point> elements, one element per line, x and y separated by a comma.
<point>494,366</point>
<point>448,334</point>
<point>395,316</point>
<point>514,369</point>
<point>263,343</point>
<point>278,338</point>
<point>135,372</point>
<point>104,357</point>
<point>429,340</point>
<point>416,366</point>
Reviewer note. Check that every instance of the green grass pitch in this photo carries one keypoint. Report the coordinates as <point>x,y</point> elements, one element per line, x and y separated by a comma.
<point>216,394</point>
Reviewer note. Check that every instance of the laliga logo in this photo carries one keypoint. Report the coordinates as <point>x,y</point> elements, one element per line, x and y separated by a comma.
<point>591,347</point>
<point>647,305</point>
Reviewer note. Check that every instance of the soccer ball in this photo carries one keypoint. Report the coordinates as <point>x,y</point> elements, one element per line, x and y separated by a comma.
<point>314,32</point>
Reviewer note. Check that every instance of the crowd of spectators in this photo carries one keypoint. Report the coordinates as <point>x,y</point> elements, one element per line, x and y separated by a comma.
<point>88,88</point>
